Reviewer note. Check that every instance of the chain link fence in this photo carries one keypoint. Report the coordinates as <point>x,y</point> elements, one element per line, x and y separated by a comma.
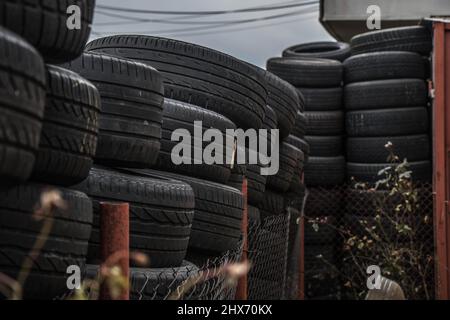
<point>348,228</point>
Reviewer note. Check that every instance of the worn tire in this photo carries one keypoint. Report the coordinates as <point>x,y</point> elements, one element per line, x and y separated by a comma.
<point>44,25</point>
<point>322,99</point>
<point>256,184</point>
<point>70,128</point>
<point>325,171</point>
<point>313,73</point>
<point>216,227</point>
<point>412,38</point>
<point>197,75</point>
<point>387,122</point>
<point>325,146</point>
<point>299,129</point>
<point>131,117</point>
<point>291,159</point>
<point>324,123</point>
<point>284,100</point>
<point>273,204</point>
<point>66,245</point>
<point>382,94</point>
<point>180,115</point>
<point>363,172</point>
<point>322,49</point>
<point>161,213</point>
<point>383,66</point>
<point>22,100</point>
<point>373,150</point>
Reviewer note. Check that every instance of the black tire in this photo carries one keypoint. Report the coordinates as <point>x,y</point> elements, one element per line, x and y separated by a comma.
<point>383,66</point>
<point>254,216</point>
<point>22,101</point>
<point>271,119</point>
<point>387,122</point>
<point>315,73</point>
<point>323,202</point>
<point>70,128</point>
<point>284,100</point>
<point>256,184</point>
<point>236,180</point>
<point>66,245</point>
<point>273,204</point>
<point>161,213</point>
<point>299,144</point>
<point>44,25</point>
<point>322,99</point>
<point>324,49</point>
<point>328,171</point>
<point>131,117</point>
<point>363,172</point>
<point>373,150</point>
<point>299,129</point>
<point>412,38</point>
<point>155,283</point>
<point>381,94</point>
<point>218,215</point>
<point>325,146</point>
<point>324,123</point>
<point>180,115</point>
<point>321,230</point>
<point>197,75</point>
<point>291,159</point>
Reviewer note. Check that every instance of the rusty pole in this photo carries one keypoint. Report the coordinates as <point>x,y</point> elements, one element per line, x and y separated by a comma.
<point>242,288</point>
<point>301,262</point>
<point>115,242</point>
<point>441,147</point>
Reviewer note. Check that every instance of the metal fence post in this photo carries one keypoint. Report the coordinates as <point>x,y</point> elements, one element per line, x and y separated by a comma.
<point>301,262</point>
<point>115,242</point>
<point>242,288</point>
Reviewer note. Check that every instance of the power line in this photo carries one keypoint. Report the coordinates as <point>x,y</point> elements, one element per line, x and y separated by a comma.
<point>224,24</point>
<point>292,4</point>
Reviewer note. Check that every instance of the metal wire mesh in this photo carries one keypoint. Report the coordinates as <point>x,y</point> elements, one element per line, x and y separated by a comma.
<point>347,230</point>
<point>268,252</point>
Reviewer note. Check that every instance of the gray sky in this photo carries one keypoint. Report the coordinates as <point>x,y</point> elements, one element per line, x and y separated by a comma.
<point>255,45</point>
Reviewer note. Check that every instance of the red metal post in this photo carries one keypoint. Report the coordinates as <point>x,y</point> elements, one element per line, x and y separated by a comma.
<point>301,262</point>
<point>242,288</point>
<point>115,242</point>
<point>441,163</point>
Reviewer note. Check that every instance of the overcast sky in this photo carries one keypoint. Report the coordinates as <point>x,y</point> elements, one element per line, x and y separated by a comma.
<point>251,42</point>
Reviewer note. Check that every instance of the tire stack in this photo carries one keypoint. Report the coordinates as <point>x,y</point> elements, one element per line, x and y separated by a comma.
<point>386,101</point>
<point>48,138</point>
<point>316,70</point>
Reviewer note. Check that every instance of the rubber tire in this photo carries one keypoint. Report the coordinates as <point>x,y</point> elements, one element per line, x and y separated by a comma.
<point>66,245</point>
<point>373,150</point>
<point>299,129</point>
<point>22,101</point>
<point>273,204</point>
<point>381,94</point>
<point>384,66</point>
<point>324,202</point>
<point>325,146</point>
<point>180,115</point>
<point>313,73</point>
<point>322,99</point>
<point>321,171</point>
<point>132,102</point>
<point>284,100</point>
<point>322,49</point>
<point>70,128</point>
<point>413,38</point>
<point>44,25</point>
<point>155,283</point>
<point>291,159</point>
<point>299,144</point>
<point>161,213</point>
<point>324,123</point>
<point>216,227</point>
<point>254,216</point>
<point>368,173</point>
<point>387,122</point>
<point>197,75</point>
<point>256,184</point>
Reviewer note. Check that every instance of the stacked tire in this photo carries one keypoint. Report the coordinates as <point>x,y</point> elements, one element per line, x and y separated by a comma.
<point>49,128</point>
<point>386,101</point>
